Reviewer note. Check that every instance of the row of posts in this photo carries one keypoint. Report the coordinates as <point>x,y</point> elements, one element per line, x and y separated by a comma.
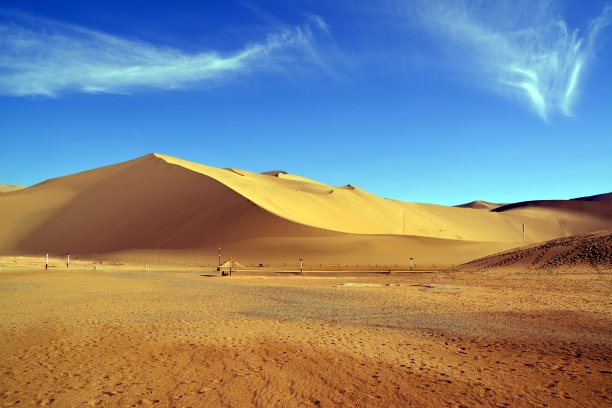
<point>68,262</point>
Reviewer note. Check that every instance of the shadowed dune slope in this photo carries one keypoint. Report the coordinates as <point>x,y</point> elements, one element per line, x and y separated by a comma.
<point>584,250</point>
<point>577,216</point>
<point>607,197</point>
<point>161,202</point>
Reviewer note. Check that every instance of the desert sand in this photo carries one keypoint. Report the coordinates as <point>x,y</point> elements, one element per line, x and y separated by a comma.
<point>7,188</point>
<point>480,205</point>
<point>126,336</point>
<point>483,316</point>
<point>583,251</point>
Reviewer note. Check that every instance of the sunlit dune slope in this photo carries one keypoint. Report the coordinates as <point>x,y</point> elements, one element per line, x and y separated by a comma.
<point>480,205</point>
<point>351,210</point>
<point>593,250</point>
<point>7,188</point>
<point>161,202</point>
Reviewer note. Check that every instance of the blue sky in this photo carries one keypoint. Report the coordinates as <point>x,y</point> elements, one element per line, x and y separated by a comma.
<point>430,101</point>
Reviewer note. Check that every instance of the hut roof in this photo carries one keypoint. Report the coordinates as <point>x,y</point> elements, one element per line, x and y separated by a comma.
<point>231,263</point>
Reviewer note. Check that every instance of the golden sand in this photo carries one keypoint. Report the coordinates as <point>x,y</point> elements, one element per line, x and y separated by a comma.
<point>124,336</point>
<point>142,317</point>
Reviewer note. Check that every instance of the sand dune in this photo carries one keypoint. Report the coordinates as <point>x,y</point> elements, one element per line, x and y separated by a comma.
<point>584,251</point>
<point>7,188</point>
<point>607,197</point>
<point>572,217</point>
<point>144,203</point>
<point>351,210</point>
<point>160,202</point>
<point>480,205</point>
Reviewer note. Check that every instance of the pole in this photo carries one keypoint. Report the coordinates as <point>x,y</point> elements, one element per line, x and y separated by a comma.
<point>301,265</point>
<point>68,261</point>
<point>219,257</point>
<point>47,261</point>
<point>410,263</point>
<point>523,232</point>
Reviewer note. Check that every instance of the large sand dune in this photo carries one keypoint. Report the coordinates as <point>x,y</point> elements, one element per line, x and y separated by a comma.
<point>161,202</point>
<point>144,203</point>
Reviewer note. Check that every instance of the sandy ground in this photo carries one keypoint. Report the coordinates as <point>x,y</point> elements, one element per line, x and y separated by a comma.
<point>122,336</point>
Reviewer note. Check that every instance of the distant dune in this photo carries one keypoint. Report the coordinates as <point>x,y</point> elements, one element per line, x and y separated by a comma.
<point>576,216</point>
<point>480,205</point>
<point>158,202</point>
<point>593,250</point>
<point>7,188</point>
<point>606,198</point>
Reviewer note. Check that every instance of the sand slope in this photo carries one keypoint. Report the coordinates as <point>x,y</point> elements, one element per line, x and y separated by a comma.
<point>572,217</point>
<point>588,251</point>
<point>607,197</point>
<point>161,202</point>
<point>480,205</point>
<point>351,210</point>
<point>7,188</point>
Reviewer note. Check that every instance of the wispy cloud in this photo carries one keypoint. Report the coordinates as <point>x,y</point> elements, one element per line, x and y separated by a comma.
<point>522,48</point>
<point>42,57</point>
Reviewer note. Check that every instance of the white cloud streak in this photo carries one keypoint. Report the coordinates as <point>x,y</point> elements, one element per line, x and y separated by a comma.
<point>519,48</point>
<point>39,57</point>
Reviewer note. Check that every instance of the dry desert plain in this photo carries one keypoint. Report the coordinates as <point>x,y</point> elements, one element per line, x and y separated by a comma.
<point>490,318</point>
<point>123,336</point>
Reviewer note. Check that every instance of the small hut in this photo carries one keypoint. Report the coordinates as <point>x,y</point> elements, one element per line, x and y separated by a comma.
<point>229,264</point>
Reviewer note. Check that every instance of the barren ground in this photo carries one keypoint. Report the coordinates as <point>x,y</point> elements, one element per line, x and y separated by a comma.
<point>129,337</point>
